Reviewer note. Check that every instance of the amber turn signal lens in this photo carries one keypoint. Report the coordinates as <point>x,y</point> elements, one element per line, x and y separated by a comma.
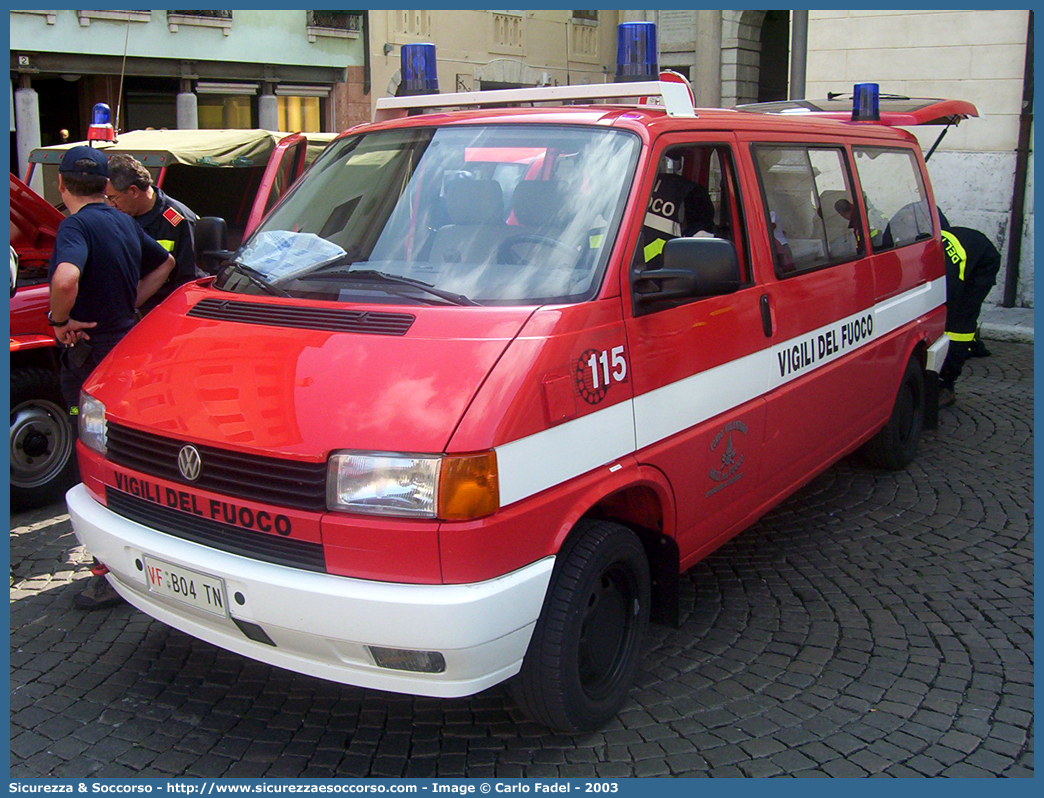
<point>468,486</point>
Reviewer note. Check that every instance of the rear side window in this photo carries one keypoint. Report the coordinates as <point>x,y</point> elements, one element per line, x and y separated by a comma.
<point>893,191</point>
<point>808,200</point>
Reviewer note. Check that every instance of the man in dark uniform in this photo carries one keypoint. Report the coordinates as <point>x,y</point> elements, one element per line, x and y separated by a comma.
<point>677,207</point>
<point>168,221</point>
<point>103,267</point>
<point>972,263</point>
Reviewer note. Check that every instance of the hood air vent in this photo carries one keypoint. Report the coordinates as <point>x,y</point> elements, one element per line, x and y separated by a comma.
<point>332,320</point>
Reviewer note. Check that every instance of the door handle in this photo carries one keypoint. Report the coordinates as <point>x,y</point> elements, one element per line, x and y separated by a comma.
<point>766,316</point>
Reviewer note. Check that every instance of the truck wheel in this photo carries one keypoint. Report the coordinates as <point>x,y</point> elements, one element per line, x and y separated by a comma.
<point>42,439</point>
<point>895,446</point>
<point>585,648</point>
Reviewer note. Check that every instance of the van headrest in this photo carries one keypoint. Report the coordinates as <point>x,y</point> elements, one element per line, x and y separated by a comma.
<point>828,200</point>
<point>474,202</point>
<point>699,210</point>
<point>535,202</point>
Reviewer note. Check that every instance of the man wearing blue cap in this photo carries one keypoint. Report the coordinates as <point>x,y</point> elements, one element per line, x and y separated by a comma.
<point>103,267</point>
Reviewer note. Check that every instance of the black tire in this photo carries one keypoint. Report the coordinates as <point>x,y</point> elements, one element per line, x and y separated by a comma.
<point>586,645</point>
<point>42,439</point>
<point>895,445</point>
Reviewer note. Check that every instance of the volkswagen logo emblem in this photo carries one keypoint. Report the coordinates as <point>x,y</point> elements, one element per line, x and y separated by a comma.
<point>189,463</point>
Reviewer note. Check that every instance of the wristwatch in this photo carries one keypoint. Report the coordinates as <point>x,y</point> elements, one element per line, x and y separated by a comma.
<point>53,323</point>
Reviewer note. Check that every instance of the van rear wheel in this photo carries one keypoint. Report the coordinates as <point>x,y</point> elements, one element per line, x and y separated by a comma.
<point>895,446</point>
<point>584,653</point>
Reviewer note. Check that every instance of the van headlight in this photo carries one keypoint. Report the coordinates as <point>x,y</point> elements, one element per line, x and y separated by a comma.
<point>450,487</point>
<point>91,424</point>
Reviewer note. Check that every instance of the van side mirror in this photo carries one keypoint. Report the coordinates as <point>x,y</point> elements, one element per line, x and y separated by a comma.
<point>211,243</point>
<point>692,268</point>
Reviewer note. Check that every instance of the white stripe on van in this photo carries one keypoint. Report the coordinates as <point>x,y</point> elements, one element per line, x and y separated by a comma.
<point>553,456</point>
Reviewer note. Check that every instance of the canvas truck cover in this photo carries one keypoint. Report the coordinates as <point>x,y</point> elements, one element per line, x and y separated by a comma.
<point>157,148</point>
<point>160,149</point>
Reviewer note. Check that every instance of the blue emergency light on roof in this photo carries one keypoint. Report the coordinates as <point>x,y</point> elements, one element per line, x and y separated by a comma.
<point>101,128</point>
<point>419,75</point>
<point>636,58</point>
<point>101,115</point>
<point>866,102</point>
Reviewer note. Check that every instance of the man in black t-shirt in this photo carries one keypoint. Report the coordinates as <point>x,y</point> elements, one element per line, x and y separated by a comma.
<point>103,267</point>
<point>170,222</point>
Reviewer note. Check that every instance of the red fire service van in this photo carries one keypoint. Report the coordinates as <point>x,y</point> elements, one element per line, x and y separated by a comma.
<point>488,379</point>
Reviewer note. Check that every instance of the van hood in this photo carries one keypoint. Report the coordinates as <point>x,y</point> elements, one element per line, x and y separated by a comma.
<point>248,375</point>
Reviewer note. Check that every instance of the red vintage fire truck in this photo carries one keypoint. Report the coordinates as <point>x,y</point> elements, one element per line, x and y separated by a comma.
<point>487,380</point>
<point>42,437</point>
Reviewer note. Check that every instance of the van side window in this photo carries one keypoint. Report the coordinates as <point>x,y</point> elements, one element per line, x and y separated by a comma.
<point>896,202</point>
<point>694,194</point>
<point>813,219</point>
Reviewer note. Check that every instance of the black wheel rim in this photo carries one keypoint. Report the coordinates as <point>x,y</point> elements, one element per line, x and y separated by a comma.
<point>607,630</point>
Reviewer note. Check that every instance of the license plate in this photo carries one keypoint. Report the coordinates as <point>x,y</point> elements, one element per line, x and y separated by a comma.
<point>190,587</point>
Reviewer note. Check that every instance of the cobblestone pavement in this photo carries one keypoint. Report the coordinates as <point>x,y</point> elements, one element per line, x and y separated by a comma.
<point>874,624</point>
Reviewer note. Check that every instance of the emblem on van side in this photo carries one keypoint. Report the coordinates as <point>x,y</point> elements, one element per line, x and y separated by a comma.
<point>189,463</point>
<point>595,370</point>
<point>724,443</point>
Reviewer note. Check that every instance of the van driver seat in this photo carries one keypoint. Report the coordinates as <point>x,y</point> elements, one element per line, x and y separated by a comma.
<point>476,213</point>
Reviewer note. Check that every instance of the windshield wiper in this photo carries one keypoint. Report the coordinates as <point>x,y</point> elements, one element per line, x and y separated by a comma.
<point>258,279</point>
<point>396,279</point>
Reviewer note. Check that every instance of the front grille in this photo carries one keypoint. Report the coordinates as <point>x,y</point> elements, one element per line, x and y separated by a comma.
<point>328,319</point>
<point>255,545</point>
<point>269,480</point>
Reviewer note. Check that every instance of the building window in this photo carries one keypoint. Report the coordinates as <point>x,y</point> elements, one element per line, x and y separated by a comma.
<point>410,23</point>
<point>226,105</point>
<point>339,20</point>
<point>586,16</point>
<point>334,24</point>
<point>204,19</point>
<point>300,114</point>
<point>218,113</point>
<point>508,32</point>
<point>85,17</point>
<point>210,14</point>
<point>51,16</point>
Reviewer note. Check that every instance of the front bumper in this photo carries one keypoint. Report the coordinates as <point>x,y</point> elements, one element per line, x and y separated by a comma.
<point>321,624</point>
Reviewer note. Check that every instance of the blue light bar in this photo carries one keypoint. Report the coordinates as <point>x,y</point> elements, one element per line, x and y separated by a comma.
<point>101,115</point>
<point>865,102</point>
<point>636,58</point>
<point>101,128</point>
<point>419,75</point>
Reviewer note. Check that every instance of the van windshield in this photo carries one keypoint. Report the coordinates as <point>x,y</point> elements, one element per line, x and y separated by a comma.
<point>488,215</point>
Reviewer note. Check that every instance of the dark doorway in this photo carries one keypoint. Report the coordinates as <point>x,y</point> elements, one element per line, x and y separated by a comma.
<point>775,56</point>
<point>59,109</point>
<point>150,102</point>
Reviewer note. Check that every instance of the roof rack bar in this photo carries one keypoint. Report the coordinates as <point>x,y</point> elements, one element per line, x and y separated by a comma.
<point>675,96</point>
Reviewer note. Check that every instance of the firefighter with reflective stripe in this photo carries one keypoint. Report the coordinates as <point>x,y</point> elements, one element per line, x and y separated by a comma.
<point>170,222</point>
<point>972,264</point>
<point>677,207</point>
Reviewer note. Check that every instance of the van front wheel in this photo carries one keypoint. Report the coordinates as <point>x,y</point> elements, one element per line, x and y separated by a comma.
<point>895,446</point>
<point>584,653</point>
